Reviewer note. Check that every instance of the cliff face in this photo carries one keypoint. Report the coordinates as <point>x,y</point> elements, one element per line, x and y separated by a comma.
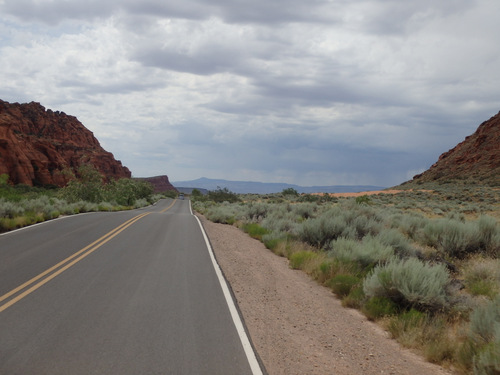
<point>475,160</point>
<point>160,183</point>
<point>37,145</point>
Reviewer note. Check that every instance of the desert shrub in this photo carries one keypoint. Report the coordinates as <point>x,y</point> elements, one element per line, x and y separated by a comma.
<point>412,224</point>
<point>222,195</point>
<point>366,253</point>
<point>280,219</point>
<point>272,239</point>
<point>482,276</point>
<point>485,322</point>
<point>487,361</point>
<point>255,230</point>
<point>406,322</point>
<point>142,202</point>
<point>305,210</point>
<point>409,282</point>
<point>459,239</point>
<point>363,199</point>
<point>225,213</point>
<point>323,229</point>
<point>355,298</point>
<point>489,234</point>
<point>378,307</point>
<point>343,284</point>
<point>10,209</point>
<point>484,332</point>
<point>256,211</point>
<point>396,240</point>
<point>300,258</point>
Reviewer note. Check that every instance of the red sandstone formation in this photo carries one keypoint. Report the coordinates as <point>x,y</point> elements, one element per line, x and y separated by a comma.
<point>37,145</point>
<point>476,159</point>
<point>160,183</point>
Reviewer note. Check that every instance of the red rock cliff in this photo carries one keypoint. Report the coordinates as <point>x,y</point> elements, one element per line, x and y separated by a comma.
<point>476,159</point>
<point>160,183</point>
<point>36,145</point>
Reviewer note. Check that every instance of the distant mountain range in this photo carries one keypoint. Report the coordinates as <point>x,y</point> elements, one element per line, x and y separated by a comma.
<point>249,187</point>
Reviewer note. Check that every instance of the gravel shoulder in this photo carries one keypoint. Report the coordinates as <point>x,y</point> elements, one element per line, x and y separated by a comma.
<point>298,326</point>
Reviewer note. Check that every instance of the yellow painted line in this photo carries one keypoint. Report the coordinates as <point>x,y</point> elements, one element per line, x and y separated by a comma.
<point>86,251</point>
<point>171,204</point>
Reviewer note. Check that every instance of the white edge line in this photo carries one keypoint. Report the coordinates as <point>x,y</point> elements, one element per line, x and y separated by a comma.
<point>247,347</point>
<point>41,223</point>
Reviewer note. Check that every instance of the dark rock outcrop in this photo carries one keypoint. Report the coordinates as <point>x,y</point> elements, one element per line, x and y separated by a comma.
<point>160,183</point>
<point>475,160</point>
<point>37,146</point>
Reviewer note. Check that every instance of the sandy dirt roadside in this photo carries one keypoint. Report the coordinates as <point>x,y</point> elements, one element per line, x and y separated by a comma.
<point>298,326</point>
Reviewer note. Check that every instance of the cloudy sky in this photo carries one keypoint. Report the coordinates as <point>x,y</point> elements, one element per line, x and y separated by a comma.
<point>316,92</point>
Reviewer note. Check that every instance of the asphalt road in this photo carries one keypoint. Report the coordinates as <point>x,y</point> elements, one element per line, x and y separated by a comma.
<point>131,292</point>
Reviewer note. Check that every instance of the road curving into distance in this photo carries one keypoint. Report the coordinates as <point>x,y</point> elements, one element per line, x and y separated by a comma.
<point>133,292</point>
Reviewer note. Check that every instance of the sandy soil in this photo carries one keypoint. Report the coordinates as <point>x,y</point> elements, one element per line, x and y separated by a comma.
<point>298,326</point>
<point>373,192</point>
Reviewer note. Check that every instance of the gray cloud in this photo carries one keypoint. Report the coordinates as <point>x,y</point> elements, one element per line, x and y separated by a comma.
<point>316,93</point>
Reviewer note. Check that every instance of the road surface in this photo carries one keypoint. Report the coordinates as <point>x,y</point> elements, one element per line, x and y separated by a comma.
<point>132,292</point>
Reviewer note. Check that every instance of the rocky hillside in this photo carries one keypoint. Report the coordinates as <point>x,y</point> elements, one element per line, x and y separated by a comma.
<point>475,160</point>
<point>37,145</point>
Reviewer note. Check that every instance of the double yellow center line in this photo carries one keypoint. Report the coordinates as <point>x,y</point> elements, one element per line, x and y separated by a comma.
<point>43,278</point>
<point>36,282</point>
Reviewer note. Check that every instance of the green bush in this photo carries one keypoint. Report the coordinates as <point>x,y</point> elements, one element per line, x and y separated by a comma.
<point>355,298</point>
<point>222,195</point>
<point>272,239</point>
<point>410,282</point>
<point>255,230</point>
<point>343,284</point>
<point>378,307</point>
<point>298,259</point>
<point>406,322</point>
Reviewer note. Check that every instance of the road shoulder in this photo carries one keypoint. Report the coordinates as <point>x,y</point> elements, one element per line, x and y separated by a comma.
<point>298,326</point>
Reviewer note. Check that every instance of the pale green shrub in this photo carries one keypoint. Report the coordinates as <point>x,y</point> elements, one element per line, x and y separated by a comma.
<point>225,213</point>
<point>10,209</point>
<point>281,218</point>
<point>256,211</point>
<point>482,276</point>
<point>367,252</point>
<point>485,322</point>
<point>487,361</point>
<point>141,203</point>
<point>410,281</point>
<point>484,331</point>
<point>395,239</point>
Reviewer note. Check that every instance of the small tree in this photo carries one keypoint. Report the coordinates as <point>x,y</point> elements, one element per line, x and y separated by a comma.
<point>290,191</point>
<point>88,187</point>
<point>196,193</point>
<point>223,195</point>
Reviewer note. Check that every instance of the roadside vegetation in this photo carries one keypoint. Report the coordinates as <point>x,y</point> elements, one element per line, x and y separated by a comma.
<point>23,205</point>
<point>424,264</point>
